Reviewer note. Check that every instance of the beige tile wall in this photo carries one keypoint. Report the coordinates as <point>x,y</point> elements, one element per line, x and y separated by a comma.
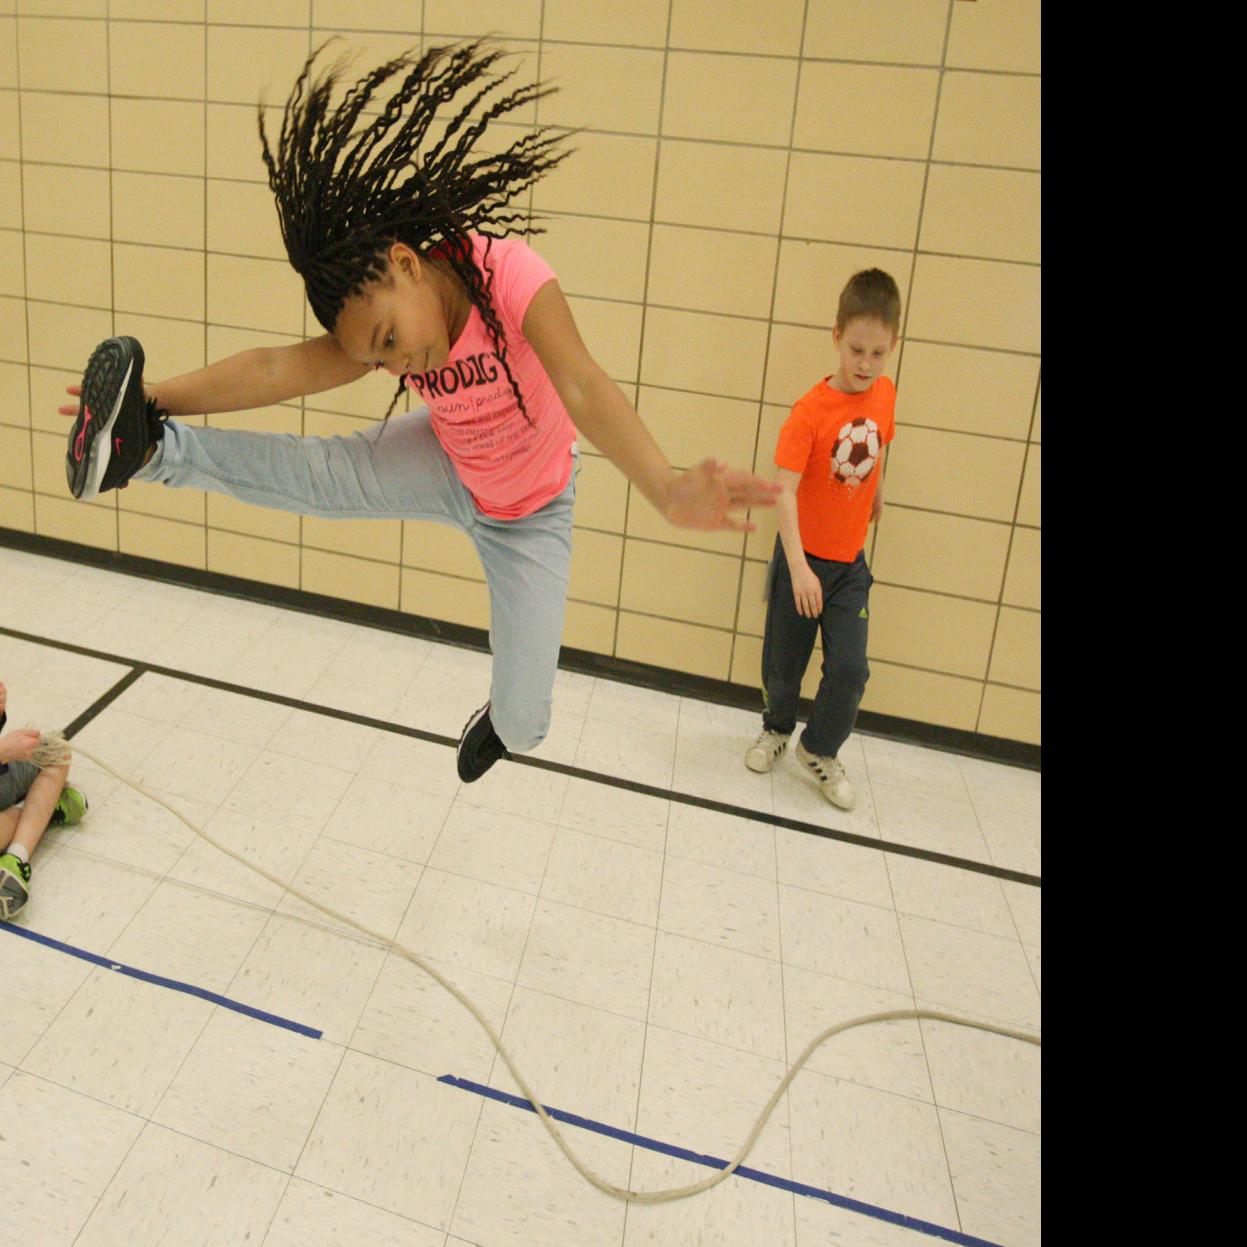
<point>736,161</point>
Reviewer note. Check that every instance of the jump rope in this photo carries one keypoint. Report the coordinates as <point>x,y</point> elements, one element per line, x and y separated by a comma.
<point>55,750</point>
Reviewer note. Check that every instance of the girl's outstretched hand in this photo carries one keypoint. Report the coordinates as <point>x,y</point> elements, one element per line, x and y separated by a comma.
<point>703,496</point>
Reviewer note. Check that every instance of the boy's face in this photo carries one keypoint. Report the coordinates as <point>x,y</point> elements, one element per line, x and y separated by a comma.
<point>864,347</point>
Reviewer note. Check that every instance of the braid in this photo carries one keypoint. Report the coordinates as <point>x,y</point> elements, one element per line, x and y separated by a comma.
<point>346,190</point>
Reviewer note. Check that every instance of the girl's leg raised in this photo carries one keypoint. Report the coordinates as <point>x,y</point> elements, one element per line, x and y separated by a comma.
<point>396,469</point>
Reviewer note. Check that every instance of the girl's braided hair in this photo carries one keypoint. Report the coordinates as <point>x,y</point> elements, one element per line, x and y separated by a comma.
<point>348,189</point>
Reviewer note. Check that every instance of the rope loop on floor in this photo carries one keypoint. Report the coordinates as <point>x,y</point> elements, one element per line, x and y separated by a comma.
<point>609,1188</point>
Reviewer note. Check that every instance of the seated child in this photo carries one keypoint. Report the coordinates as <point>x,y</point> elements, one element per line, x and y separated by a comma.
<point>30,800</point>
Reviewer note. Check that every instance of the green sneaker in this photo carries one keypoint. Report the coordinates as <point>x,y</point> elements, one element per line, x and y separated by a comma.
<point>14,885</point>
<point>70,809</point>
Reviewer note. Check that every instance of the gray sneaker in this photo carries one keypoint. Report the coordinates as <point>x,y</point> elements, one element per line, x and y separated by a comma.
<point>764,751</point>
<point>14,886</point>
<point>830,775</point>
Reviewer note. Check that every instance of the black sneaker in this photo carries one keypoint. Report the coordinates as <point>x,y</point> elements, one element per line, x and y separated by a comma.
<point>115,424</point>
<point>479,747</point>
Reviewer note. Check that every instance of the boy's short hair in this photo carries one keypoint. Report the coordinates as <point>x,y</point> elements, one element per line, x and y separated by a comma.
<point>871,294</point>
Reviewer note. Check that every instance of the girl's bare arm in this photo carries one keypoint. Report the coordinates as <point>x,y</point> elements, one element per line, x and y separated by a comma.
<point>256,378</point>
<point>698,498</point>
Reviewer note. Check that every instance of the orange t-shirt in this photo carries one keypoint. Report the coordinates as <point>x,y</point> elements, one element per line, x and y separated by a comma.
<point>834,440</point>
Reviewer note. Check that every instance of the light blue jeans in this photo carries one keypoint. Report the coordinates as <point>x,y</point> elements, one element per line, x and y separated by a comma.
<point>398,470</point>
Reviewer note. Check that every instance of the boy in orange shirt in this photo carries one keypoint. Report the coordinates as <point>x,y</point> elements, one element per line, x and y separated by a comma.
<point>830,459</point>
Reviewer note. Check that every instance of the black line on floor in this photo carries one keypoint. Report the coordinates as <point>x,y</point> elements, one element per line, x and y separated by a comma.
<point>719,692</point>
<point>104,701</point>
<point>562,768</point>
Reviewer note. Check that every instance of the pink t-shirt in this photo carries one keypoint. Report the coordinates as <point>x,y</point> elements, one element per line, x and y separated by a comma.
<point>511,467</point>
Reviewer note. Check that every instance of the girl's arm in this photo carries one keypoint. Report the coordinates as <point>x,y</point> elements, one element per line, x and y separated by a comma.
<point>698,498</point>
<point>255,378</point>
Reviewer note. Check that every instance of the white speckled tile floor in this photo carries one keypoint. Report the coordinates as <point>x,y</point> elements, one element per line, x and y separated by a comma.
<point>652,965</point>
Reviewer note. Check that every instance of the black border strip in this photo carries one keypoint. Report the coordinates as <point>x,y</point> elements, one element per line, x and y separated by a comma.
<point>140,668</point>
<point>585,662</point>
<point>103,702</point>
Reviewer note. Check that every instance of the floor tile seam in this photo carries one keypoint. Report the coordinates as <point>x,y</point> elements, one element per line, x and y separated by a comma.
<point>597,835</point>
<point>1037,1135</point>
<point>121,1163</point>
<point>464,800</point>
<point>939,1107</point>
<point>931,1102</point>
<point>649,994</point>
<point>851,900</point>
<point>56,1018</point>
<point>982,805</point>
<point>960,775</point>
<point>390,951</point>
<point>916,792</point>
<point>975,1013</point>
<point>860,1083</point>
<point>151,1117</point>
<point>515,983</point>
<point>788,961</point>
<point>953,926</point>
<point>350,845</point>
<point>612,721</point>
<point>216,1147</point>
<point>358,1199</point>
<point>87,1095</point>
<point>1013,918</point>
<point>922,1044</point>
<point>170,878</point>
<point>166,878</point>
<point>467,1164</point>
<point>929,1000</point>
<point>311,1129</point>
<point>328,926</point>
<point>1031,968</point>
<point>902,910</point>
<point>771,877</point>
<point>783,1012</point>
<point>281,1199</point>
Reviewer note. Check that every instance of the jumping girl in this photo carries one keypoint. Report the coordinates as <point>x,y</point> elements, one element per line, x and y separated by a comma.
<point>400,233</point>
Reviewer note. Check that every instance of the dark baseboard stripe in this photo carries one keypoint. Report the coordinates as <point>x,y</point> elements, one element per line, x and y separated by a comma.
<point>585,662</point>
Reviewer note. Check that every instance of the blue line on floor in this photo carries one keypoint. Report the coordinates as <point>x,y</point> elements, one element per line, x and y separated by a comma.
<point>697,1158</point>
<point>189,988</point>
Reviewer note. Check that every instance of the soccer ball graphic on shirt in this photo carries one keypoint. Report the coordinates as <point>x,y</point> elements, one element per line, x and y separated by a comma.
<point>856,452</point>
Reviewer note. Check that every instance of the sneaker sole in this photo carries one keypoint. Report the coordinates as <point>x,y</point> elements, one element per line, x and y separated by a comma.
<point>11,905</point>
<point>90,441</point>
<point>463,736</point>
<point>768,764</point>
